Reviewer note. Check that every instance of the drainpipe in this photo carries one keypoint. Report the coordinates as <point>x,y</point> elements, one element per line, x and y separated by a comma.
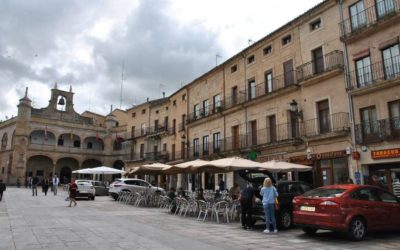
<point>245,96</point>
<point>347,82</point>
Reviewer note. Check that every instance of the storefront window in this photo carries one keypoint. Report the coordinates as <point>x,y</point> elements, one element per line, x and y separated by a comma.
<point>334,171</point>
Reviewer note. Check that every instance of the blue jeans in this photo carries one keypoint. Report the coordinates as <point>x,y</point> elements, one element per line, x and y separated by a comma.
<point>269,210</point>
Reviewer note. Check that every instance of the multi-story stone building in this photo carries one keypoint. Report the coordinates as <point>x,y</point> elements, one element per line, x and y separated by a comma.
<point>56,139</point>
<point>370,32</point>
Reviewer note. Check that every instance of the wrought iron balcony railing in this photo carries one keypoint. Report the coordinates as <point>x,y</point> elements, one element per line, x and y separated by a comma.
<point>377,131</point>
<point>332,123</point>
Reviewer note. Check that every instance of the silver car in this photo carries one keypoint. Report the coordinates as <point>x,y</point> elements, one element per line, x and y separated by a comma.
<point>131,185</point>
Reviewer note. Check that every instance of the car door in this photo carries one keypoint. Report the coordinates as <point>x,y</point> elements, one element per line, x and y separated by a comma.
<point>392,206</point>
<point>366,202</point>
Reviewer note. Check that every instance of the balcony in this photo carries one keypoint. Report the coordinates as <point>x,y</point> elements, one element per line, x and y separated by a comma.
<point>204,113</point>
<point>360,23</point>
<point>182,127</point>
<point>139,132</point>
<point>177,155</point>
<point>329,125</point>
<point>312,69</point>
<point>378,131</point>
<point>374,74</point>
<point>63,149</point>
<point>157,130</point>
<point>206,151</point>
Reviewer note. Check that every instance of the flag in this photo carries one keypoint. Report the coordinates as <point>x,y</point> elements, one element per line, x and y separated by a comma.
<point>116,137</point>
<point>97,136</point>
<point>45,133</point>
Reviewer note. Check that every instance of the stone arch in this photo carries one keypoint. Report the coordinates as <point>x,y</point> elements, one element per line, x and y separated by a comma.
<point>65,166</point>
<point>4,140</point>
<point>69,140</point>
<point>93,143</point>
<point>91,163</point>
<point>39,165</point>
<point>42,137</point>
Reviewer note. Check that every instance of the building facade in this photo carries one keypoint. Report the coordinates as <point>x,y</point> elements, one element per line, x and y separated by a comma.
<point>56,139</point>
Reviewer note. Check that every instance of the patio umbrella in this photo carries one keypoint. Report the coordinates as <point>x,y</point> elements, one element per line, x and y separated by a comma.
<point>154,168</point>
<point>231,164</point>
<point>282,166</point>
<point>105,170</point>
<point>82,171</point>
<point>185,167</point>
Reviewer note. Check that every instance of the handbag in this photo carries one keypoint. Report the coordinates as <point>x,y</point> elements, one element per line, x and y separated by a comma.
<point>276,204</point>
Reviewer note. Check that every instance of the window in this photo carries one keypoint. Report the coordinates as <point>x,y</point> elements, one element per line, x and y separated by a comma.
<point>155,125</point>
<point>173,152</point>
<point>217,102</point>
<point>77,144</point>
<point>394,113</point>
<point>252,89</point>
<point>143,129</point>
<point>386,197</point>
<point>234,95</point>
<point>250,59</point>
<point>316,24</point>
<point>235,137</point>
<point>143,111</point>
<point>271,121</point>
<point>318,60</point>
<point>183,121</point>
<point>156,111</point>
<point>216,142</point>
<point>184,97</point>
<point>267,50</point>
<point>384,7</point>
<point>334,171</point>
<point>89,145</point>
<point>268,82</point>
<point>391,61</point>
<point>4,140</point>
<point>164,148</point>
<point>288,73</point>
<point>363,72</point>
<point>234,68</point>
<point>365,194</point>
<point>253,133</point>
<point>196,111</point>
<point>323,117</point>
<point>357,15</point>
<point>174,102</point>
<point>286,40</point>
<point>205,145</point>
<point>60,142</point>
<point>196,147</point>
<point>133,131</point>
<point>205,108</point>
<point>369,121</point>
<point>133,114</point>
<point>141,152</point>
<point>174,126</point>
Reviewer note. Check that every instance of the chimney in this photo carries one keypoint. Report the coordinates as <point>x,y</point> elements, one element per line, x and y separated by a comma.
<point>163,94</point>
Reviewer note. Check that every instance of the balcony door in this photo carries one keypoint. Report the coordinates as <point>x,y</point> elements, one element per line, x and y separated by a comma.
<point>288,73</point>
<point>268,82</point>
<point>363,71</point>
<point>323,117</point>
<point>357,15</point>
<point>318,61</point>
<point>253,133</point>
<point>234,95</point>
<point>252,89</point>
<point>369,123</point>
<point>294,125</point>
<point>391,61</point>
<point>384,7</point>
<point>235,137</point>
<point>394,112</point>
<point>272,128</point>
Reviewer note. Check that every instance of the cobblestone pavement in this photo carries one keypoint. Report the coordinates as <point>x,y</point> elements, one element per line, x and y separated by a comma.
<point>45,222</point>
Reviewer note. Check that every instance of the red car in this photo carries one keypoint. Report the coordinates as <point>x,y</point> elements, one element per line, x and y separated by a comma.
<point>354,209</point>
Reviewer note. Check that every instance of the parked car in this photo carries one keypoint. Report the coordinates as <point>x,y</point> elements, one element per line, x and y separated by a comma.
<point>131,185</point>
<point>353,209</point>
<point>100,187</point>
<point>286,189</point>
<point>85,189</point>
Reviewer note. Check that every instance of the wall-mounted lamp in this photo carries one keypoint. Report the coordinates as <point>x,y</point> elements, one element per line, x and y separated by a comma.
<point>295,110</point>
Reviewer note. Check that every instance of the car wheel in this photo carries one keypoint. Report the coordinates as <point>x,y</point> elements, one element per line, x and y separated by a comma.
<point>309,230</point>
<point>285,219</point>
<point>357,229</point>
<point>92,198</point>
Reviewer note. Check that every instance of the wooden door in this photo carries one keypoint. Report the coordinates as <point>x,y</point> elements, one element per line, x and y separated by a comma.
<point>288,72</point>
<point>272,128</point>
<point>323,117</point>
<point>253,127</point>
<point>318,61</point>
<point>235,137</point>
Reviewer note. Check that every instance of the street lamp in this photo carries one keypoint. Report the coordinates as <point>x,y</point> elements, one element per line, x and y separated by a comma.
<point>295,110</point>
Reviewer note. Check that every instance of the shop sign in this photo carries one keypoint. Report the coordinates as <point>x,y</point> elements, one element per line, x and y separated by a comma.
<point>330,155</point>
<point>385,153</point>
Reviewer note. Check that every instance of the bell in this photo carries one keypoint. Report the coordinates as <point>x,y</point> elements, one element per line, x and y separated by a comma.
<point>61,101</point>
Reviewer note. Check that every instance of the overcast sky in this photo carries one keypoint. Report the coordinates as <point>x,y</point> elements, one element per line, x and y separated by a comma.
<point>158,44</point>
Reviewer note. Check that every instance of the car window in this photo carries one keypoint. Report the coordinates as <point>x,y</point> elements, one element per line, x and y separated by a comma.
<point>365,194</point>
<point>305,187</point>
<point>131,182</point>
<point>143,183</point>
<point>387,197</point>
<point>324,192</point>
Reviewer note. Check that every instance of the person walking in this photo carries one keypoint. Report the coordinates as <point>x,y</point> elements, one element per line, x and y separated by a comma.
<point>72,188</point>
<point>55,182</point>
<point>46,184</point>
<point>35,182</point>
<point>247,198</point>
<point>2,188</point>
<point>269,194</point>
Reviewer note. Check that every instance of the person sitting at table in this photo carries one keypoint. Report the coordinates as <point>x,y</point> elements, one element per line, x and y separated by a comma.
<point>182,193</point>
<point>217,195</point>
<point>171,193</point>
<point>200,195</point>
<point>234,191</point>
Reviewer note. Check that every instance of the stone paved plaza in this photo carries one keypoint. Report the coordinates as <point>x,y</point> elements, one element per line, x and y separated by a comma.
<point>45,222</point>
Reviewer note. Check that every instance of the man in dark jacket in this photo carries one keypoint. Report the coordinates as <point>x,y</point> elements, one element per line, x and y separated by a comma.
<point>247,198</point>
<point>35,182</point>
<point>2,189</point>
